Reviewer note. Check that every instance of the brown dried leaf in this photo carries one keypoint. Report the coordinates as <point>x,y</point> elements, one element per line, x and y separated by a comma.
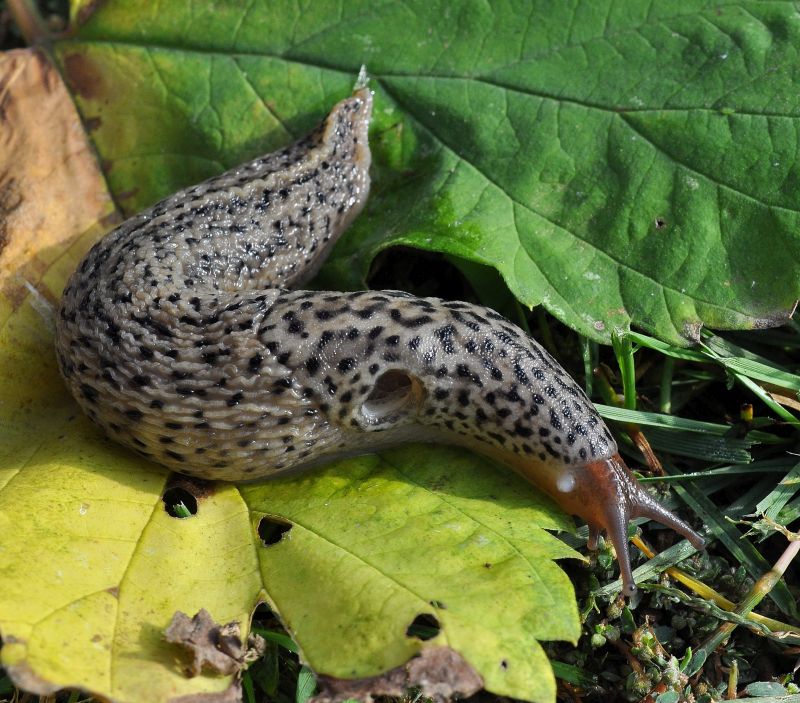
<point>214,646</point>
<point>440,673</point>
<point>785,400</point>
<point>47,166</point>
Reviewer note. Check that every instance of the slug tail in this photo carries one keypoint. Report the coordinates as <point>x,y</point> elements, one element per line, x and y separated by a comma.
<point>362,81</point>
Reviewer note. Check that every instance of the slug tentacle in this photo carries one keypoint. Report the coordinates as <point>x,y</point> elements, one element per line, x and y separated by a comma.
<point>178,334</point>
<point>607,496</point>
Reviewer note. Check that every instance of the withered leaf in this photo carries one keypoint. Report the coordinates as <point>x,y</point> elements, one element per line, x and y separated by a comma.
<point>440,674</point>
<point>216,647</point>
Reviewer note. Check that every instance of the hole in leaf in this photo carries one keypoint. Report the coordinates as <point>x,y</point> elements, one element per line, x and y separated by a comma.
<point>660,223</point>
<point>504,664</point>
<point>424,627</point>
<point>179,503</point>
<point>271,531</point>
<point>394,394</point>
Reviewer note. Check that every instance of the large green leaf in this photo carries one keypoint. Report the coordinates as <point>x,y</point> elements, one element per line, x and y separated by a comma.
<point>619,162</point>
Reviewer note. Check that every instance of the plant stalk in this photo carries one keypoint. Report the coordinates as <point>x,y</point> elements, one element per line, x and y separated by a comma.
<point>623,349</point>
<point>29,20</point>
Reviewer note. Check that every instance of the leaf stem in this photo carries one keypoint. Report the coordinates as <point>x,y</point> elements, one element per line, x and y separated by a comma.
<point>29,20</point>
<point>733,680</point>
<point>623,349</point>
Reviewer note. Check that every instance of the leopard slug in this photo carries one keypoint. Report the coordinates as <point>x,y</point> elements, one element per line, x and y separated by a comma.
<point>183,334</point>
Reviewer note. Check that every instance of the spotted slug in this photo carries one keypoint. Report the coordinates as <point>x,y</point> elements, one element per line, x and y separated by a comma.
<point>183,334</point>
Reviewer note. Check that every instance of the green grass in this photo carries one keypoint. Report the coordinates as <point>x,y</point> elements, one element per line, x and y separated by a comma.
<point>729,451</point>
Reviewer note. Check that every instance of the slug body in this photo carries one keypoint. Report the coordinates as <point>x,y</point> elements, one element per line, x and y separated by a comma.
<point>180,336</point>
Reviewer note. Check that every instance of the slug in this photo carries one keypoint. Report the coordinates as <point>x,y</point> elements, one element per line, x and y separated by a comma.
<point>183,334</point>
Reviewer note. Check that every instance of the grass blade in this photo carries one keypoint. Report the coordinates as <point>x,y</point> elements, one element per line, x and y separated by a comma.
<point>700,446</point>
<point>278,638</point>
<point>766,466</point>
<point>739,546</point>
<point>781,495</point>
<point>648,419</point>
<point>744,362</point>
<point>667,349</point>
<point>306,683</point>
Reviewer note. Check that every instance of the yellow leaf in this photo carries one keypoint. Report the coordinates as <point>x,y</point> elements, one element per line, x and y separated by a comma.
<point>93,566</point>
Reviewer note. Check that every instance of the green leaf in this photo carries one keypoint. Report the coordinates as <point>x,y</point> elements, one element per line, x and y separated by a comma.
<point>338,546</point>
<point>619,163</point>
<point>763,689</point>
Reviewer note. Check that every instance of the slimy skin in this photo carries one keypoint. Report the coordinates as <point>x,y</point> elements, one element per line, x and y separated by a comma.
<point>183,335</point>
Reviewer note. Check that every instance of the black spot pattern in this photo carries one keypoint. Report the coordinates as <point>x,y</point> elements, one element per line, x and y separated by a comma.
<point>479,380</point>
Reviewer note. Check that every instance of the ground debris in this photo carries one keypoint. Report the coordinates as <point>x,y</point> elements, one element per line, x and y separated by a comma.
<point>216,647</point>
<point>439,673</point>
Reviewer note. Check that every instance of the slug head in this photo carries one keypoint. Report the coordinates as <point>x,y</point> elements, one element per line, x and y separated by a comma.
<point>607,496</point>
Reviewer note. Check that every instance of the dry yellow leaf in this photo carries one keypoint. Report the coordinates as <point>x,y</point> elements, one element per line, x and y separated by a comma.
<point>93,568</point>
<point>89,557</point>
